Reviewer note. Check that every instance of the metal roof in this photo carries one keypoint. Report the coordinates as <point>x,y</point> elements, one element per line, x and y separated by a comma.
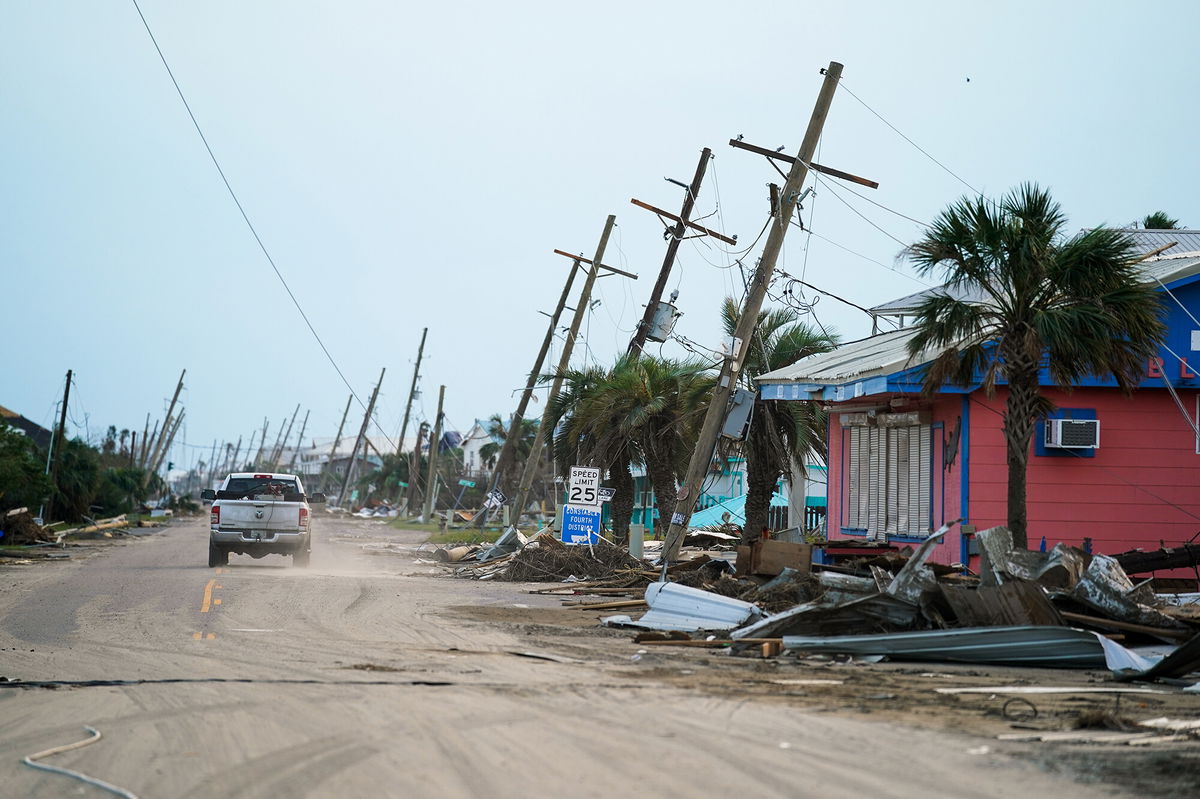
<point>1187,247</point>
<point>887,353</point>
<point>878,355</point>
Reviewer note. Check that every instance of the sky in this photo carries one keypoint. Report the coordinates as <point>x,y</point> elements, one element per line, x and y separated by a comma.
<point>413,165</point>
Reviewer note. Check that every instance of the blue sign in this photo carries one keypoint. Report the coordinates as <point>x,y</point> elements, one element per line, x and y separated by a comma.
<point>580,525</point>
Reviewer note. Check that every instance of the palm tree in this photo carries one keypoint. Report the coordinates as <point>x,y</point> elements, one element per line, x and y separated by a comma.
<point>497,430</point>
<point>781,433</point>
<point>643,410</point>
<point>583,435</point>
<point>1020,297</point>
<point>1160,221</point>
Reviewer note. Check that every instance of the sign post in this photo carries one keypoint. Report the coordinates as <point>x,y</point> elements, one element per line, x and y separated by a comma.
<point>581,514</point>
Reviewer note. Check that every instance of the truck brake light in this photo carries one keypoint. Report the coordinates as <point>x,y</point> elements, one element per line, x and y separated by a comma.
<point>215,518</point>
<point>303,517</point>
<point>262,477</point>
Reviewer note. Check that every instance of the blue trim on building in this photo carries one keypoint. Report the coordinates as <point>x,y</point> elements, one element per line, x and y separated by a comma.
<point>964,471</point>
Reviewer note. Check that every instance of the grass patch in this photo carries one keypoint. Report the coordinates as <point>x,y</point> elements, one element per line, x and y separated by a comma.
<point>465,536</point>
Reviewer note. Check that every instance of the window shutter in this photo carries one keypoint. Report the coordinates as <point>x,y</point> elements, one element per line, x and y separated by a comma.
<point>877,517</point>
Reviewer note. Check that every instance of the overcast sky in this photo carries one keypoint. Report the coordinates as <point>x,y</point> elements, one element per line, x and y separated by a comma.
<point>413,165</point>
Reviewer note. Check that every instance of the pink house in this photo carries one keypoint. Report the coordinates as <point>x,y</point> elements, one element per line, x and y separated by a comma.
<point>1107,472</point>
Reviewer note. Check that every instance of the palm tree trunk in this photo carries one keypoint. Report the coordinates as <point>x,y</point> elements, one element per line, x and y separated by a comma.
<point>1020,410</point>
<point>662,476</point>
<point>760,486</point>
<point>622,501</point>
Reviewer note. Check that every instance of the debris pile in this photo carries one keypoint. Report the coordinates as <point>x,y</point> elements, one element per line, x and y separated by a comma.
<point>17,528</point>
<point>551,560</point>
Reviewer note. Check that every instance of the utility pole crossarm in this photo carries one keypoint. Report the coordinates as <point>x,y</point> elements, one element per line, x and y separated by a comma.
<point>692,225</point>
<point>583,260</point>
<point>824,170</point>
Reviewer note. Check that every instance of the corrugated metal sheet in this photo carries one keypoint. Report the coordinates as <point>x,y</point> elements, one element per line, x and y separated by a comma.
<point>1174,264</point>
<point>678,607</point>
<point>877,355</point>
<point>1060,647</point>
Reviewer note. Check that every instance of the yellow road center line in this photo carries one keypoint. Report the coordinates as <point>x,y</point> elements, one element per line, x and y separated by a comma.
<point>216,601</point>
<point>211,636</point>
<point>196,636</point>
<point>208,589</point>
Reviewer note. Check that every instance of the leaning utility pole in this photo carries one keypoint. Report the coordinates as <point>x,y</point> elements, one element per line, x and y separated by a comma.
<point>262,445</point>
<point>412,392</point>
<point>166,428</point>
<point>509,450</point>
<point>168,440</point>
<point>56,445</point>
<point>212,465</point>
<point>146,444</point>
<point>534,461</point>
<point>431,489</point>
<point>299,442</point>
<point>414,470</point>
<point>732,367</point>
<point>250,448</point>
<point>337,441</point>
<point>358,441</point>
<point>233,463</point>
<point>278,453</point>
<point>145,438</point>
<point>685,213</point>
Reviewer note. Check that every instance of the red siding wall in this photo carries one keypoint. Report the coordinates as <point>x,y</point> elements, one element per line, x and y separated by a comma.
<point>1142,486</point>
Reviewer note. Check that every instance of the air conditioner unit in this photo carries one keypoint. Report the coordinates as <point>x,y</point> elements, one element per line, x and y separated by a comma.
<point>1073,433</point>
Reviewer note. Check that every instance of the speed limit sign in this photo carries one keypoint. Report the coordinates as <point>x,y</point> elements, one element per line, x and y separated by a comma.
<point>584,486</point>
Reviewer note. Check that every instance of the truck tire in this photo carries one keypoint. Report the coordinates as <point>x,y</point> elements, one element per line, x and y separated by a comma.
<point>217,556</point>
<point>300,558</point>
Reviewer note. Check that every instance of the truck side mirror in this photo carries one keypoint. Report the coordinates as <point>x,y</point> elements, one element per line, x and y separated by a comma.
<point>317,498</point>
<point>208,495</point>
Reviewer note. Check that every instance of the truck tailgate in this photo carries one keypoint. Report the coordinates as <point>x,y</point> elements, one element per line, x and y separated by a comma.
<point>253,514</point>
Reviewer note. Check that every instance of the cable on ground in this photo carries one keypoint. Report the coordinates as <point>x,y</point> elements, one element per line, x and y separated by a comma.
<point>31,761</point>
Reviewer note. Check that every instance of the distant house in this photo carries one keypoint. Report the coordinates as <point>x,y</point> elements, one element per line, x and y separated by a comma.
<point>40,435</point>
<point>472,444</point>
<point>1107,472</point>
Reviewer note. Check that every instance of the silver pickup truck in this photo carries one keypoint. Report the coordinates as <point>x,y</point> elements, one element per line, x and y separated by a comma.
<point>260,514</point>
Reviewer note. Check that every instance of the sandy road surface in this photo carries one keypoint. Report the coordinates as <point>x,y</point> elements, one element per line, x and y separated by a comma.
<point>373,676</point>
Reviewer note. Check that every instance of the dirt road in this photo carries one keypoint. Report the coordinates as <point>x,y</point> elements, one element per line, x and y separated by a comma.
<point>374,675</point>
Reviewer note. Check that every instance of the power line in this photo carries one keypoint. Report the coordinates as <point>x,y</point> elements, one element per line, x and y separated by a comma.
<point>872,260</point>
<point>245,216</point>
<point>921,149</point>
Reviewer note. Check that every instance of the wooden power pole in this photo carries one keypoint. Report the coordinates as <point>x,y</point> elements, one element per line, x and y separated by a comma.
<point>414,471</point>
<point>166,428</point>
<point>732,367</point>
<point>677,233</point>
<point>412,392</point>
<point>299,442</point>
<point>277,455</point>
<point>431,489</point>
<point>508,450</point>
<point>358,441</point>
<point>262,445</point>
<point>56,445</point>
<point>533,462</point>
<point>337,441</point>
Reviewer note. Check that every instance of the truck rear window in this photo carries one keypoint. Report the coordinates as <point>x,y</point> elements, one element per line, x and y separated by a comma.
<point>261,488</point>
